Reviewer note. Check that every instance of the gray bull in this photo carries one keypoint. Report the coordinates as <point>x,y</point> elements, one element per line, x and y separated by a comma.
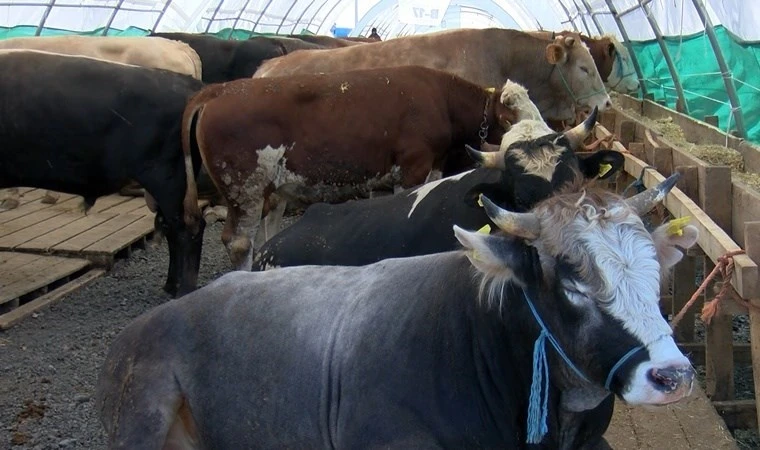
<point>429,352</point>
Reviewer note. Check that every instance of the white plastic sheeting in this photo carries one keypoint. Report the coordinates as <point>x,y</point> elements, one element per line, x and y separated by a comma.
<point>674,17</point>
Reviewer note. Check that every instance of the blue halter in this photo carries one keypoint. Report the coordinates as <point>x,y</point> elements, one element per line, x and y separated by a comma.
<point>538,407</point>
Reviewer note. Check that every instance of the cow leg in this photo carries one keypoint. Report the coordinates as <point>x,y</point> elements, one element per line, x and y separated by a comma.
<point>240,230</point>
<point>11,200</point>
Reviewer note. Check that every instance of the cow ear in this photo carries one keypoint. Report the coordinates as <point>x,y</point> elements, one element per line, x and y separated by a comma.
<point>569,41</point>
<point>493,255</point>
<point>671,239</point>
<point>601,164</point>
<point>555,54</point>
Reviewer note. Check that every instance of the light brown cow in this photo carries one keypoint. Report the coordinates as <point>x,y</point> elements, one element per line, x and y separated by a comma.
<point>257,137</point>
<point>560,75</point>
<point>612,59</point>
<point>153,52</point>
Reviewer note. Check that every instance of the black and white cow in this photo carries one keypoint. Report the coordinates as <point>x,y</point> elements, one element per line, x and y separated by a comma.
<point>418,222</point>
<point>435,351</point>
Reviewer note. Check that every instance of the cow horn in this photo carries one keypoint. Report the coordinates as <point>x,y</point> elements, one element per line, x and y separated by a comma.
<point>494,160</point>
<point>578,134</point>
<point>524,225</point>
<point>643,202</point>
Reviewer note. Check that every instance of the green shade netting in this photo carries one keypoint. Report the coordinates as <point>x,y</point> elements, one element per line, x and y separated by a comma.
<point>29,30</point>
<point>700,76</point>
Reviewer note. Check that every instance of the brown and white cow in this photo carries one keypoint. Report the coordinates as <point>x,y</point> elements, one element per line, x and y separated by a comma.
<point>258,137</point>
<point>559,74</point>
<point>612,59</point>
<point>152,52</point>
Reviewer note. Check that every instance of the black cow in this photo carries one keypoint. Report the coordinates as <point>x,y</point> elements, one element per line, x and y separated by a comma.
<point>86,126</point>
<point>419,221</point>
<point>224,60</point>
<point>454,350</point>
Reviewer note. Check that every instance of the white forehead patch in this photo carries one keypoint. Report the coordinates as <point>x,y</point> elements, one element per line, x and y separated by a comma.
<point>422,191</point>
<point>525,130</point>
<point>627,260</point>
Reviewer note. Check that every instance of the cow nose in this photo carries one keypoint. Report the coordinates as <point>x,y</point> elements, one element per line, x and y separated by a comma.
<point>608,104</point>
<point>670,379</point>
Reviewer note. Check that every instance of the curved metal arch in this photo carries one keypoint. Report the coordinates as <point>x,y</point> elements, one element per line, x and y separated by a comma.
<point>330,11</point>
<point>112,17</point>
<point>45,15</point>
<point>237,19</point>
<point>284,17</point>
<point>382,5</point>
<point>263,11</point>
<point>303,13</point>
<point>725,72</point>
<point>167,3</point>
<point>213,15</point>
<point>627,43</point>
<point>666,55</point>
<point>316,13</point>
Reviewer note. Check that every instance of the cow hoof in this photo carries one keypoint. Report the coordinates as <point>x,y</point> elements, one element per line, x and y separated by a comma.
<point>9,203</point>
<point>171,289</point>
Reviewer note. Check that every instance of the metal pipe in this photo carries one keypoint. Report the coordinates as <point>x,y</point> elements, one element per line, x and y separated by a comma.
<point>627,43</point>
<point>736,106</point>
<point>634,8</point>
<point>567,13</point>
<point>263,11</point>
<point>593,17</point>
<point>213,15</point>
<point>237,20</point>
<point>317,12</point>
<point>113,16</point>
<point>666,55</point>
<point>301,16</point>
<point>161,14</point>
<point>44,18</point>
<point>583,19</point>
<point>285,16</point>
<point>330,11</point>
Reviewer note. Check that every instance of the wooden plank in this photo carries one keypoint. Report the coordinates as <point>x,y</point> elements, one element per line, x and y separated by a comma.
<point>695,351</point>
<point>14,260</point>
<point>11,318</point>
<point>746,208</point>
<point>132,206</point>
<point>714,241</point>
<point>78,226</point>
<point>659,156</point>
<point>752,234</point>
<point>738,414</point>
<point>626,131</point>
<point>26,234</point>
<point>36,206</point>
<point>80,242</point>
<point>104,203</point>
<point>123,237</point>
<point>39,274</point>
<point>683,288</point>
<point>638,150</point>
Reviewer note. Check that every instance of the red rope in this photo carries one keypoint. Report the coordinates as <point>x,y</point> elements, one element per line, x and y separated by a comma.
<point>724,267</point>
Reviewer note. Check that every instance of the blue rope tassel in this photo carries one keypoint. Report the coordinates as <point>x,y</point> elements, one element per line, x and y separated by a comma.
<point>538,408</point>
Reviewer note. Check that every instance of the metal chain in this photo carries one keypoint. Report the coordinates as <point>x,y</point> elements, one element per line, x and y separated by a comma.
<point>483,133</point>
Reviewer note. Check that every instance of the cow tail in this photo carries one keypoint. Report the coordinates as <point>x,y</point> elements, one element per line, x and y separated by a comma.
<point>192,212</point>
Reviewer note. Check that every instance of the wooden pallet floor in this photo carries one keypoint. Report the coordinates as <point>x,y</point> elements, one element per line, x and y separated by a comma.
<point>29,281</point>
<point>111,226</point>
<point>690,424</point>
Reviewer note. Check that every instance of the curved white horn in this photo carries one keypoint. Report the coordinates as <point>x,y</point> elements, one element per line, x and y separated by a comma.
<point>494,160</point>
<point>578,134</point>
<point>524,225</point>
<point>643,202</point>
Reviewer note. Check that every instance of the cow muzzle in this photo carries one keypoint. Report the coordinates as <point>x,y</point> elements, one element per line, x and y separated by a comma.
<point>666,378</point>
<point>672,380</point>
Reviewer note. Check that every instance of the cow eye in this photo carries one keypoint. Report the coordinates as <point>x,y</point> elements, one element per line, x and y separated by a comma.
<point>574,294</point>
<point>585,70</point>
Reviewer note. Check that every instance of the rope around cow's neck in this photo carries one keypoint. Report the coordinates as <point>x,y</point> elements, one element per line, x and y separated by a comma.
<point>538,406</point>
<point>570,90</point>
<point>621,76</point>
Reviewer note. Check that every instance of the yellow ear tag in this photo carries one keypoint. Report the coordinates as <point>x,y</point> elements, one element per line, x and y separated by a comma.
<point>604,168</point>
<point>480,201</point>
<point>485,229</point>
<point>675,226</point>
<point>491,90</point>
